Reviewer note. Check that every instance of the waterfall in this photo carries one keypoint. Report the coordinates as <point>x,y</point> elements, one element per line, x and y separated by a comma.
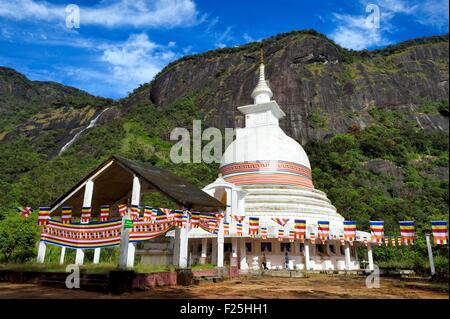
<point>76,136</point>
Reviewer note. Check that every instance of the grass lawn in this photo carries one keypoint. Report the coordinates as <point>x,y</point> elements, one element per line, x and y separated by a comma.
<point>101,268</point>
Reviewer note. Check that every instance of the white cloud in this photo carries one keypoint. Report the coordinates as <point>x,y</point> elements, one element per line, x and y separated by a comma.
<point>352,32</point>
<point>135,61</point>
<point>434,13</point>
<point>109,13</point>
<point>222,38</point>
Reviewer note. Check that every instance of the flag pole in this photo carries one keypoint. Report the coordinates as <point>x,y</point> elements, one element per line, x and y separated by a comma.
<point>430,253</point>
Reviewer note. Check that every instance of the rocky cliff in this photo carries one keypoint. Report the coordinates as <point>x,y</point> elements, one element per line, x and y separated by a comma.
<point>322,88</point>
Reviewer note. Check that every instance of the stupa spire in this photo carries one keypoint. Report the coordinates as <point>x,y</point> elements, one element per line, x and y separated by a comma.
<point>262,92</point>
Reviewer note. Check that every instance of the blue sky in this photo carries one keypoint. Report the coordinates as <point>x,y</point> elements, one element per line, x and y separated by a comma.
<point>123,43</point>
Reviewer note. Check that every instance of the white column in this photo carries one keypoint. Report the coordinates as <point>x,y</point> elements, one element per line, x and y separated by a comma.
<point>295,247</point>
<point>243,255</point>
<point>234,247</point>
<point>214,251</point>
<point>41,252</point>
<point>306,246</point>
<point>96,255</point>
<point>124,238</point>
<point>135,200</point>
<point>130,254</point>
<point>430,254</point>
<point>204,250</point>
<point>79,257</point>
<point>370,257</point>
<point>347,256</point>
<point>87,202</point>
<point>181,246</point>
<point>63,254</point>
<point>220,241</point>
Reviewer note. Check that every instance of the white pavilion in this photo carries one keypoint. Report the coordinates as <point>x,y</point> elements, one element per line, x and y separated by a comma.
<point>264,173</point>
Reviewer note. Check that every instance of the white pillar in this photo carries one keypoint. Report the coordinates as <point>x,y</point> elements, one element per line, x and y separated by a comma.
<point>136,191</point>
<point>135,199</point>
<point>41,252</point>
<point>234,247</point>
<point>204,250</point>
<point>370,257</point>
<point>347,256</point>
<point>79,257</point>
<point>124,238</point>
<point>130,254</point>
<point>220,241</point>
<point>63,254</point>
<point>181,246</point>
<point>96,255</point>
<point>87,202</point>
<point>306,246</point>
<point>295,248</point>
<point>430,254</point>
<point>214,251</point>
<point>243,255</point>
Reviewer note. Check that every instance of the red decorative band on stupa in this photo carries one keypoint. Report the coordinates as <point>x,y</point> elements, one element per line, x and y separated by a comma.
<point>267,172</point>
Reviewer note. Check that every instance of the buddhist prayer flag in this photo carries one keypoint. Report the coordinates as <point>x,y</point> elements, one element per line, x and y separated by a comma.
<point>264,232</point>
<point>350,231</point>
<point>393,241</point>
<point>185,218</point>
<point>312,238</point>
<point>239,229</point>
<point>377,231</point>
<point>253,226</point>
<point>134,212</point>
<point>219,216</point>
<point>169,213</point>
<point>24,211</point>
<point>300,228</point>
<point>440,232</point>
<point>122,210</point>
<point>104,213</point>
<point>238,218</point>
<point>66,214</point>
<point>280,221</point>
<point>407,232</point>
<point>43,215</point>
<point>280,234</point>
<point>291,236</point>
<point>148,214</point>
<point>212,225</point>
<point>226,228</point>
<point>178,218</point>
<point>195,219</point>
<point>323,228</point>
<point>86,213</point>
<point>399,241</point>
<point>365,241</point>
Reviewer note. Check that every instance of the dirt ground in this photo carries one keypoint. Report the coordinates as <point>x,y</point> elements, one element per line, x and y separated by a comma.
<point>316,287</point>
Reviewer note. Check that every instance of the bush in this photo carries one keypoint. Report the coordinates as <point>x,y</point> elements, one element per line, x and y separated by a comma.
<point>18,238</point>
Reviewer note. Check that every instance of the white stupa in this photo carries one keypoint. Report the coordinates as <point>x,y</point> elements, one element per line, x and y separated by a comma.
<point>271,170</point>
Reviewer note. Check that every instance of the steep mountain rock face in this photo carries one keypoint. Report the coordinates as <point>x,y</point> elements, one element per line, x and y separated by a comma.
<point>47,113</point>
<point>322,88</point>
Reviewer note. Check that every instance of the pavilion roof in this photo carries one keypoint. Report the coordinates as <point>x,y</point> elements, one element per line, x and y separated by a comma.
<point>113,181</point>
